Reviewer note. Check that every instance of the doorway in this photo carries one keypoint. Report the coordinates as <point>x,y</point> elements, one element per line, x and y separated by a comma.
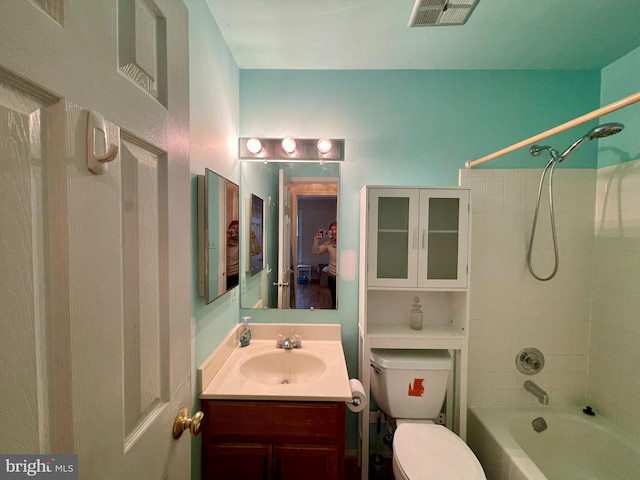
<point>315,207</point>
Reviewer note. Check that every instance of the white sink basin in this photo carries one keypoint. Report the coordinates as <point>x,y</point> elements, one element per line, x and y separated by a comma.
<point>260,371</point>
<point>283,367</point>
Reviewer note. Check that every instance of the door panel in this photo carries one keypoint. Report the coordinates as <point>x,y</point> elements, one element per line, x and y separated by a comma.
<point>146,382</point>
<point>22,292</point>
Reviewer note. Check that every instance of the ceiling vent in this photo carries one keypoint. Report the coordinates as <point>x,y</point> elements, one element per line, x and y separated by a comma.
<point>430,13</point>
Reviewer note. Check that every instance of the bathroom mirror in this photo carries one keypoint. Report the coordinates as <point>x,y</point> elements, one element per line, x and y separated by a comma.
<point>300,200</point>
<point>218,235</point>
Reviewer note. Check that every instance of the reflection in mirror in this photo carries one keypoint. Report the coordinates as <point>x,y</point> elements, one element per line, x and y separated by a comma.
<point>256,261</point>
<point>299,252</point>
<point>218,235</point>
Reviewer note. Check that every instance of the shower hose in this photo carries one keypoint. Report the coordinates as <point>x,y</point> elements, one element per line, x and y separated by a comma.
<point>550,168</point>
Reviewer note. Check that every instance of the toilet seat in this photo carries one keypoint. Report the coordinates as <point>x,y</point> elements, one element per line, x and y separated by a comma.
<point>432,452</point>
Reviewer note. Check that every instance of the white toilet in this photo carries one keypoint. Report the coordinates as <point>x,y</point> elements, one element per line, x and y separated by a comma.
<point>410,386</point>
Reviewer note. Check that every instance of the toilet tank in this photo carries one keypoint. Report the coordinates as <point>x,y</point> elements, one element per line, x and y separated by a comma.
<point>410,383</point>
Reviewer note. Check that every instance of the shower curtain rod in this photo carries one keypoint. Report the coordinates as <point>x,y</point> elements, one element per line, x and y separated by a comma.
<point>612,107</point>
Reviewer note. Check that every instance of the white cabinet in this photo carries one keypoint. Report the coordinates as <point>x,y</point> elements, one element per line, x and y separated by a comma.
<point>414,241</point>
<point>417,237</point>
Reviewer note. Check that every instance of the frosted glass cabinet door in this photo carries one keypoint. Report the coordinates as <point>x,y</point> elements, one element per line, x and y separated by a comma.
<point>444,224</point>
<point>393,237</point>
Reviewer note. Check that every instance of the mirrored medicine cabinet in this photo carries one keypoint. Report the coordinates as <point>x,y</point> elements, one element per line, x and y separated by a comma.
<point>219,234</point>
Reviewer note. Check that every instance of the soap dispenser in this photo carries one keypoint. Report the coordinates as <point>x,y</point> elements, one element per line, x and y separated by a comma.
<point>245,333</point>
<point>415,316</point>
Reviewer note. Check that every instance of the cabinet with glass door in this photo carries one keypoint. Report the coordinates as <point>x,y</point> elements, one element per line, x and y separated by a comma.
<point>417,237</point>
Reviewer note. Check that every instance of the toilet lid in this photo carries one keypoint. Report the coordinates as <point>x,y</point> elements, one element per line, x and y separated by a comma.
<point>433,452</point>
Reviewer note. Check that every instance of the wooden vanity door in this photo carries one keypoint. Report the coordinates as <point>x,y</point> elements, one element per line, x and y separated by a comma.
<point>238,460</point>
<point>293,462</point>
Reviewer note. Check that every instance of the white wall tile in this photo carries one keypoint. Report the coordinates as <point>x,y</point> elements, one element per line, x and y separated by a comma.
<point>511,310</point>
<point>614,351</point>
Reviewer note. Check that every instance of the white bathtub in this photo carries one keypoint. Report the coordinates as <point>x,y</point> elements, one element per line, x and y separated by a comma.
<point>575,446</point>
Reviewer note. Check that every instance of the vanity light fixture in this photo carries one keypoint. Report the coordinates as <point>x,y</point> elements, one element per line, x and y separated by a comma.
<point>289,148</point>
<point>254,145</point>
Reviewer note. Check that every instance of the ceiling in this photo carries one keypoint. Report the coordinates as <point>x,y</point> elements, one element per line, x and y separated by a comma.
<point>373,34</point>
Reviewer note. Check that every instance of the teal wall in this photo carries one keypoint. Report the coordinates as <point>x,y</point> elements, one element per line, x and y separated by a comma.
<point>213,83</point>
<point>214,104</point>
<point>619,80</point>
<point>403,126</point>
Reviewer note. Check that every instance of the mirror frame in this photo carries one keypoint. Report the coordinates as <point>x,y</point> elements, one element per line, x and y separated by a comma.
<point>216,210</point>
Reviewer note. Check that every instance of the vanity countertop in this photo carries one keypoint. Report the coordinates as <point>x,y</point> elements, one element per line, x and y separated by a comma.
<point>278,374</point>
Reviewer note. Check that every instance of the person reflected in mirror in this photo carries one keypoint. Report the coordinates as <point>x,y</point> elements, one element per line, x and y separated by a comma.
<point>233,254</point>
<point>256,248</point>
<point>330,246</point>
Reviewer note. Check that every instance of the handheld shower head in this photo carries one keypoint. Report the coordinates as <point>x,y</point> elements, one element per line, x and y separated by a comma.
<point>604,130</point>
<point>600,131</point>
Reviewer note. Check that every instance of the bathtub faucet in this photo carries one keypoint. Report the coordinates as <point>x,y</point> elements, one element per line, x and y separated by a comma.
<point>540,394</point>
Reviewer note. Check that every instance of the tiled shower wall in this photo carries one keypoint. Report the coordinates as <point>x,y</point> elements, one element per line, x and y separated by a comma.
<point>613,386</point>
<point>586,320</point>
<point>510,309</point>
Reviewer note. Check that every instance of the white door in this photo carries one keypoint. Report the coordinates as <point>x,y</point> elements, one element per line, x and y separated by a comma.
<point>95,269</point>
<point>284,242</point>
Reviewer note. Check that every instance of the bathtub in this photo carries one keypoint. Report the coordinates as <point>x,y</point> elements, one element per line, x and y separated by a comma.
<point>574,446</point>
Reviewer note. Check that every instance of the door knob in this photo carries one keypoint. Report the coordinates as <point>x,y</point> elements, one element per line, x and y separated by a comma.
<point>183,421</point>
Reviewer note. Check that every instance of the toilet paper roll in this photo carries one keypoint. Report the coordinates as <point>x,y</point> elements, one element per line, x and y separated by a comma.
<point>359,401</point>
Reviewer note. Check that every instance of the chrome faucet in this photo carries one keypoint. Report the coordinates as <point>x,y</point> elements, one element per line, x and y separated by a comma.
<point>289,343</point>
<point>540,394</point>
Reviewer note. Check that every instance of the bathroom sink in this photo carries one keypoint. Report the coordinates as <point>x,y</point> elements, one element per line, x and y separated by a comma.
<point>260,371</point>
<point>283,367</point>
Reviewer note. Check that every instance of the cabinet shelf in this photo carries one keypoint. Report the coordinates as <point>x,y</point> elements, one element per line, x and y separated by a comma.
<point>402,336</point>
<point>434,288</point>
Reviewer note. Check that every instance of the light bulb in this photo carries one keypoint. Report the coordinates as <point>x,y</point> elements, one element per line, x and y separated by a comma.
<point>324,145</point>
<point>289,145</point>
<point>254,145</point>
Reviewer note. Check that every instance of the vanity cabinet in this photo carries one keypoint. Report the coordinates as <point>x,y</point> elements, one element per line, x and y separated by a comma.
<point>417,237</point>
<point>415,242</point>
<point>273,440</point>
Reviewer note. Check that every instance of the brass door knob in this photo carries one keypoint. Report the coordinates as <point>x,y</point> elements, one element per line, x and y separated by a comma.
<point>183,421</point>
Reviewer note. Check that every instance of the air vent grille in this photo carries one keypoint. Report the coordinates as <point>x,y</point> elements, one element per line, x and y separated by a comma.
<point>428,13</point>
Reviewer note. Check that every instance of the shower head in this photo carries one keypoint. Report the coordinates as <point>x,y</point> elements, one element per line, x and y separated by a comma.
<point>600,131</point>
<point>604,130</point>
